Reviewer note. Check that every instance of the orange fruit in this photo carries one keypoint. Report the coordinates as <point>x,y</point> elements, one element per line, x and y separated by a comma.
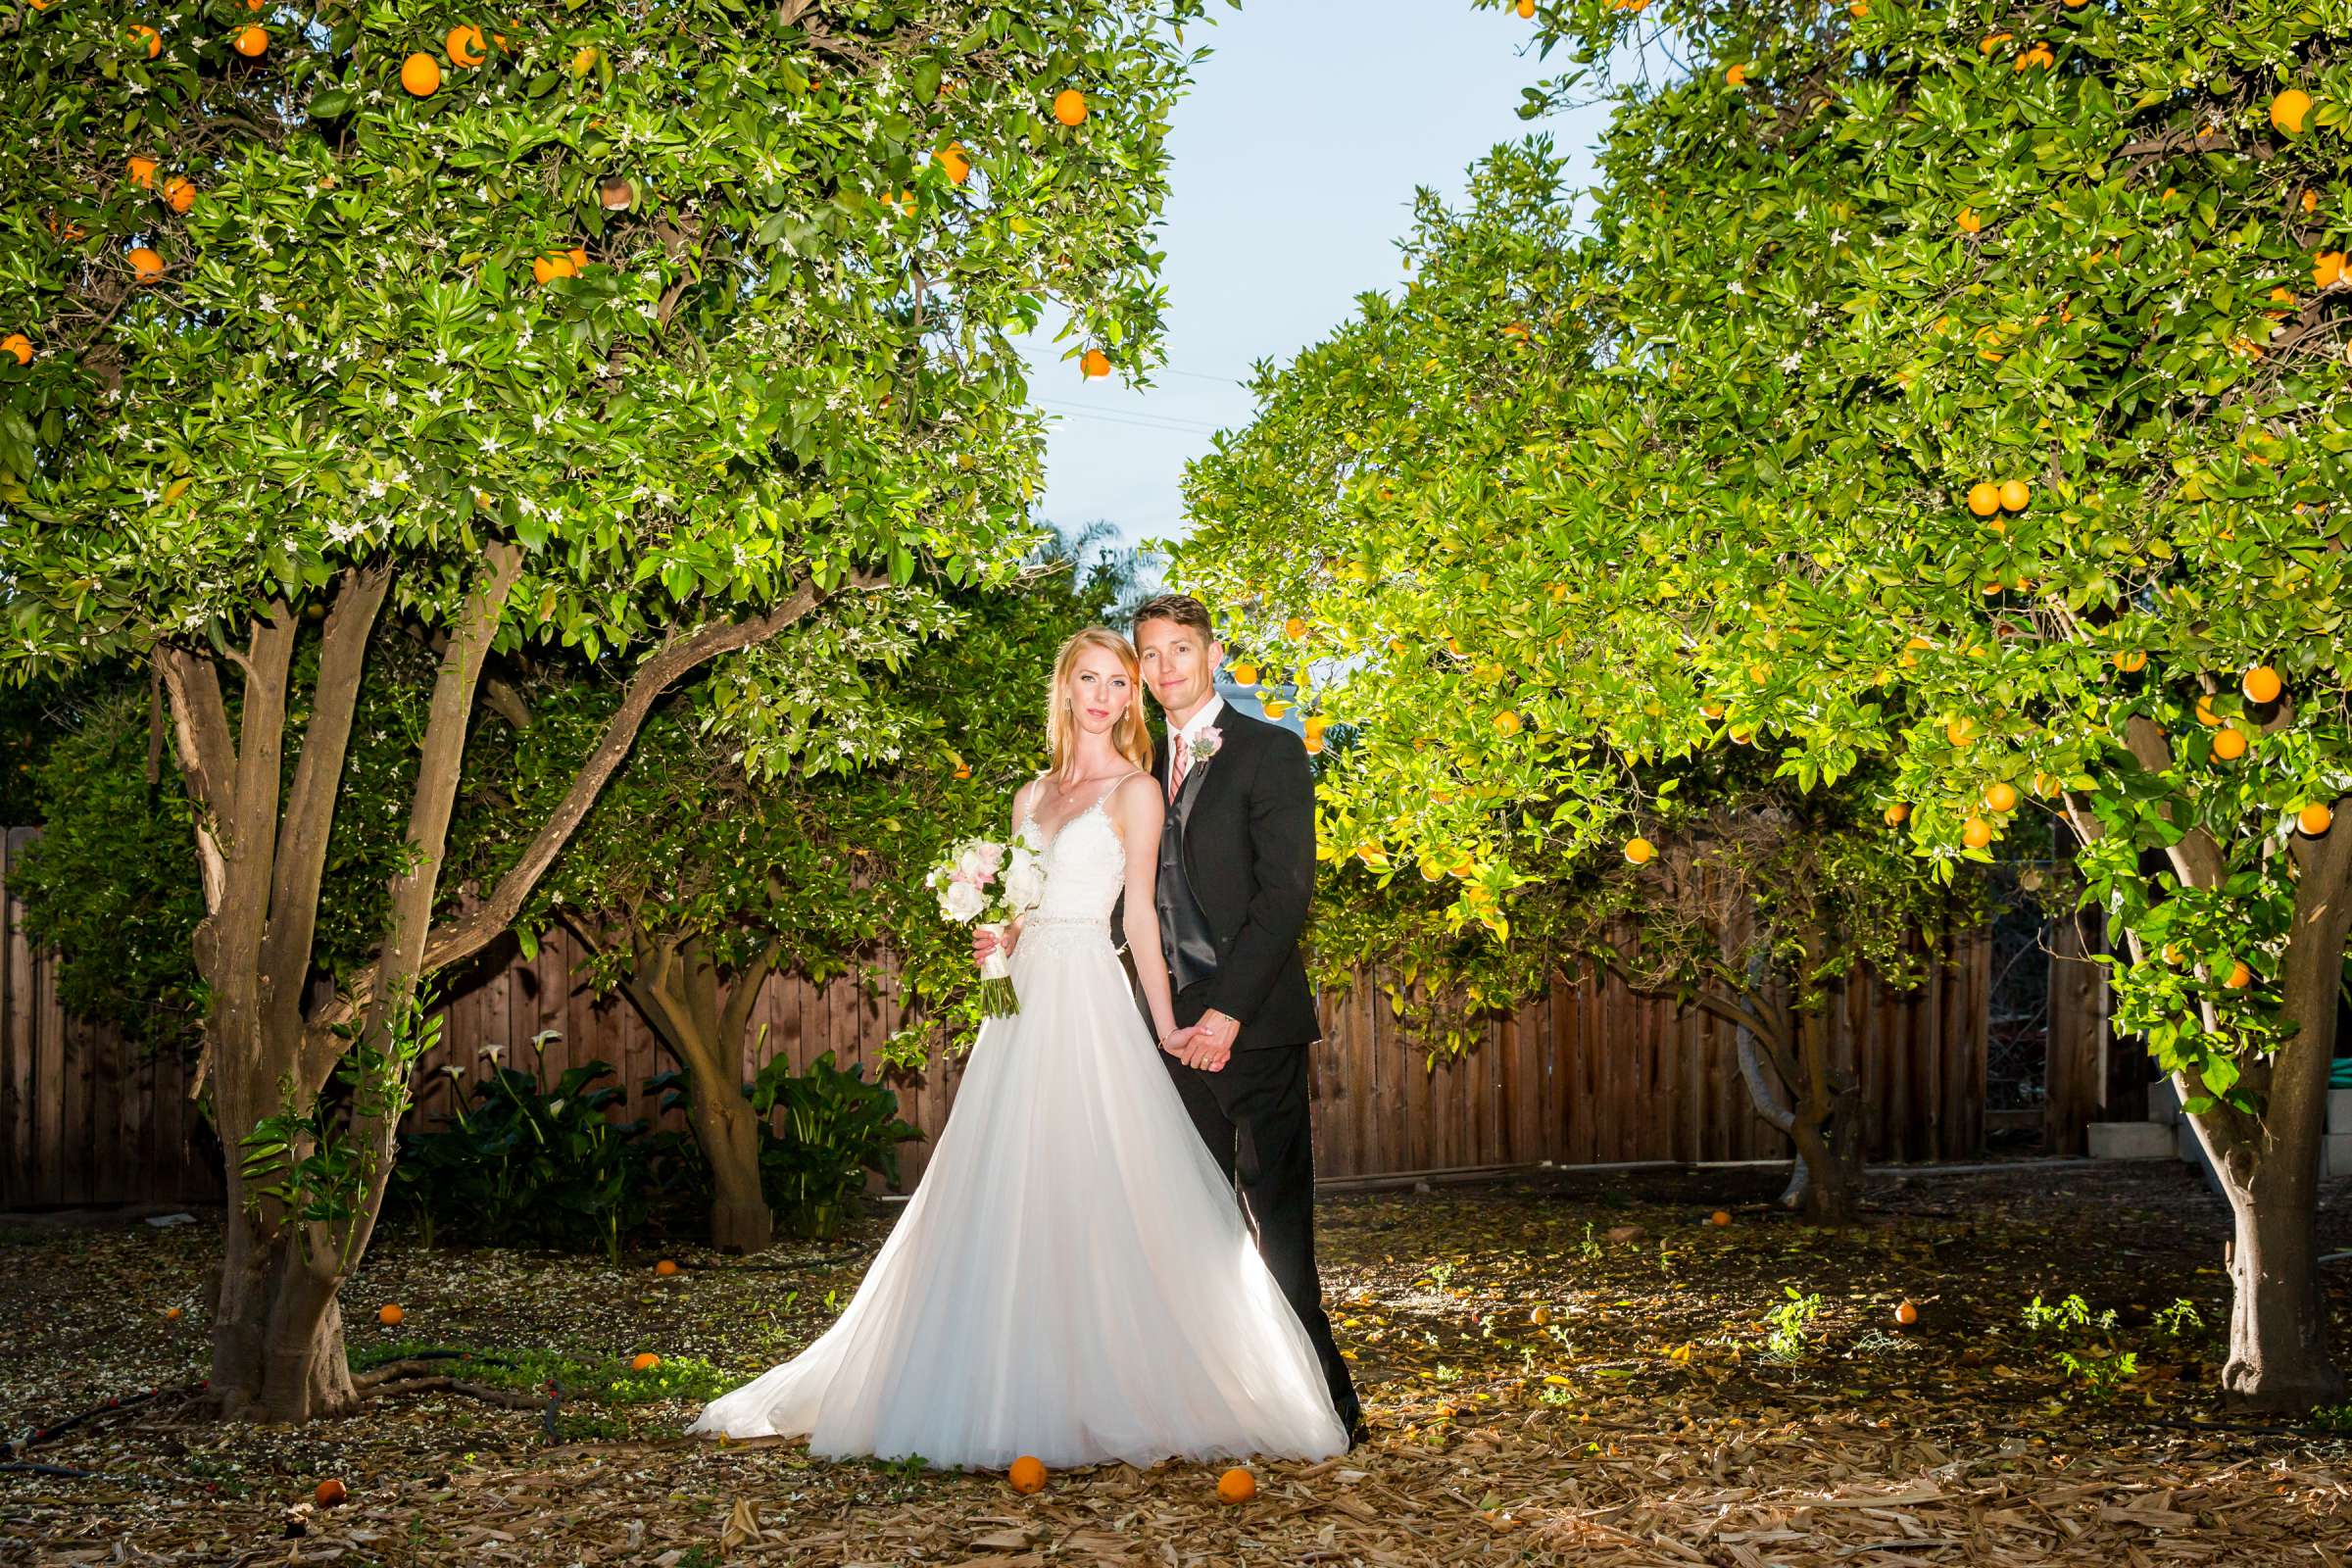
<point>390,1315</point>
<point>1640,850</point>
<point>2131,661</point>
<point>2326,269</point>
<point>1526,10</point>
<point>255,5</point>
<point>1236,1484</point>
<point>1906,1314</point>
<point>155,40</point>
<point>1897,813</point>
<point>1274,708</point>
<point>1960,731</point>
<point>420,75</point>
<point>1094,364</point>
<point>1027,1475</point>
<point>665,1268</point>
<point>1992,41</point>
<point>554,264</point>
<point>145,264</point>
<point>1722,1216</point>
<point>1969,221</point>
<point>1245,675</point>
<point>644,1361</point>
<point>2291,111</point>
<point>19,345</point>
<point>1858,10</point>
<point>1985,498</point>
<point>251,40</point>
<point>2014,493</point>
<point>2229,744</point>
<point>2002,797</point>
<point>1711,709</point>
<point>180,193</point>
<point>2205,714</point>
<point>329,1493</point>
<point>2315,820</point>
<point>2261,684</point>
<point>465,44</point>
<point>142,172</point>
<point>955,161</point>
<point>172,1313</point>
<point>1295,629</point>
<point>584,59</point>
<point>1506,722</point>
<point>1976,833</point>
<point>1069,106</point>
<point>1737,75</point>
<point>2239,975</point>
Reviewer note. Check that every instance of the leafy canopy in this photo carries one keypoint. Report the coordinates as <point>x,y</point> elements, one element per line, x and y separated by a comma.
<point>693,300</point>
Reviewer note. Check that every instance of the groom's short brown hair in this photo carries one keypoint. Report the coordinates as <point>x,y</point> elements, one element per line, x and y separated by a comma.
<point>1181,609</point>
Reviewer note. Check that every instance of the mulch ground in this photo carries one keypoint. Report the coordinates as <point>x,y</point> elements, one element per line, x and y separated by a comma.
<point>1567,1368</point>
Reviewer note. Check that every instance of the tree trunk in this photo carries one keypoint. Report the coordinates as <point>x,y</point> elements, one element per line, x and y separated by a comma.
<point>2269,1168</point>
<point>724,1123</point>
<point>1769,1103</point>
<point>2269,1162</point>
<point>1825,1126</point>
<point>304,1371</point>
<point>676,986</point>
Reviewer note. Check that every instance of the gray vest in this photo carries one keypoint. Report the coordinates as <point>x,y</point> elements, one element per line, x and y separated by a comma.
<point>1191,947</point>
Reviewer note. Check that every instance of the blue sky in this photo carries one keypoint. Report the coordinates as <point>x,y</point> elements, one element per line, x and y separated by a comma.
<point>1294,160</point>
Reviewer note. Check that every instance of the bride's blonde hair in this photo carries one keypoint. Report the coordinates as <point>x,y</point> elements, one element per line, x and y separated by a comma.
<point>1127,736</point>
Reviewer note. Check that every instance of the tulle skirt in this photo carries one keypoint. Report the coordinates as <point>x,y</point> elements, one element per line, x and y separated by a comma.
<point>1072,1278</point>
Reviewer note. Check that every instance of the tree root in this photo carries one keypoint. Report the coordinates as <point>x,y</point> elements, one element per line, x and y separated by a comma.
<point>443,1383</point>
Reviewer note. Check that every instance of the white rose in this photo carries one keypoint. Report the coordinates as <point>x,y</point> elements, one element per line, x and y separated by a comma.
<point>991,856</point>
<point>1024,883</point>
<point>964,902</point>
<point>974,862</point>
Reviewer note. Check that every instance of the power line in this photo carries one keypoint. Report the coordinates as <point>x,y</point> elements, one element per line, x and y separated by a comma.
<point>1133,416</point>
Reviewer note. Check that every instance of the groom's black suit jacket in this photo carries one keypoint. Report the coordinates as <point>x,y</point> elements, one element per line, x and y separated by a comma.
<point>1236,868</point>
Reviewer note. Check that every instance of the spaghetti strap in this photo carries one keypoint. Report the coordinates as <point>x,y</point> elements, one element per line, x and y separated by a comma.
<point>1103,799</point>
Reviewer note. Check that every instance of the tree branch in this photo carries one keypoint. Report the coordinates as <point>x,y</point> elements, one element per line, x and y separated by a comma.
<point>468,935</point>
<point>302,841</point>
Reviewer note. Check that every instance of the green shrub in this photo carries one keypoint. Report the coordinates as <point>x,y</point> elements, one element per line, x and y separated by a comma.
<point>836,1127</point>
<point>532,1164</point>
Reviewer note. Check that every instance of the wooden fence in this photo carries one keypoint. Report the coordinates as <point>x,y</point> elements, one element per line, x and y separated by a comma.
<point>1589,1074</point>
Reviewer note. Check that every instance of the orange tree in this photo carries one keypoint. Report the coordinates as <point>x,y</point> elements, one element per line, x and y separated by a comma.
<point>1429,524</point>
<point>623,333</point>
<point>1969,398</point>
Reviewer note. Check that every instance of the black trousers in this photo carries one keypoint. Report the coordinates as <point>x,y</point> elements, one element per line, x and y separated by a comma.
<point>1254,1116</point>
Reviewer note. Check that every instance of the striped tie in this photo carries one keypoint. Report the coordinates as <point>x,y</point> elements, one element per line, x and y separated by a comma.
<point>1184,758</point>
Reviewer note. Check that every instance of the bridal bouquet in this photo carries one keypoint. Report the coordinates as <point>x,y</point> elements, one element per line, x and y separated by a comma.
<point>992,885</point>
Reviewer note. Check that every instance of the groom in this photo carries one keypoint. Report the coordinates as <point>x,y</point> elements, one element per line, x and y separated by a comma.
<point>1237,867</point>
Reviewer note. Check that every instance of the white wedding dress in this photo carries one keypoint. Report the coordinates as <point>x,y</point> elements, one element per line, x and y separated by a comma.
<point>1072,1278</point>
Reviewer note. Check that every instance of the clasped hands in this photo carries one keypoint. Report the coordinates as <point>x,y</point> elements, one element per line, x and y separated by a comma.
<point>1206,1045</point>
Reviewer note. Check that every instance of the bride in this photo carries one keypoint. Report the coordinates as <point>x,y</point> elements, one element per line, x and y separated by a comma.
<point>1072,1278</point>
